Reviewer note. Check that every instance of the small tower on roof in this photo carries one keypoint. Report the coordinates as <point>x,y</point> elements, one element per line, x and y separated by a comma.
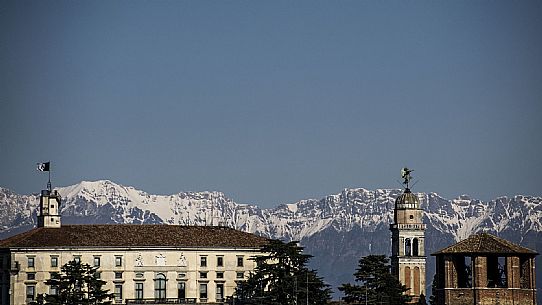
<point>49,213</point>
<point>407,237</point>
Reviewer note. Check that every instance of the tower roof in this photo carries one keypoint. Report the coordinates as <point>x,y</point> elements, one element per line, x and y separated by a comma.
<point>407,200</point>
<point>484,243</point>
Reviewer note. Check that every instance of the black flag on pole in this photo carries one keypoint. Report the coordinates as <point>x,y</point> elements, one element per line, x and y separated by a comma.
<point>43,167</point>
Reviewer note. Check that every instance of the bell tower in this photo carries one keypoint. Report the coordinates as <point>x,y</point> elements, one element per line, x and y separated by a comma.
<point>407,238</point>
<point>49,214</point>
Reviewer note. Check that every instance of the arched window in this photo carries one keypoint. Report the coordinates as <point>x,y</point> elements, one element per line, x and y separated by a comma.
<point>160,286</point>
<point>416,280</point>
<point>408,248</point>
<point>415,247</point>
<point>407,279</point>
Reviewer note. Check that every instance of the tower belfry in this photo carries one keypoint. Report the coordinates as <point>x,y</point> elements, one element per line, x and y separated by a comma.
<point>407,237</point>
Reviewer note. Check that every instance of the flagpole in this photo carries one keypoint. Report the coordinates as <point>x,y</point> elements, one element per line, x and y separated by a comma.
<point>49,182</point>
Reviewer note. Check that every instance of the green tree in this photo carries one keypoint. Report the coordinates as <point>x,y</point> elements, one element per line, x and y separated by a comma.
<point>77,284</point>
<point>378,286</point>
<point>422,300</point>
<point>281,277</point>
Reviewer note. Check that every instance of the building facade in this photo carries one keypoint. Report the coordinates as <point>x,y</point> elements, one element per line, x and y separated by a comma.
<point>140,263</point>
<point>408,239</point>
<point>485,270</point>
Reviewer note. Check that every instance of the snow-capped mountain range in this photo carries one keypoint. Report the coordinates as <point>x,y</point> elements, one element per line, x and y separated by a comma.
<point>337,229</point>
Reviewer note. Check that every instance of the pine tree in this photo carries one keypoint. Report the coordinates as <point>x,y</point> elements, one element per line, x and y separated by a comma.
<point>282,277</point>
<point>378,285</point>
<point>77,284</point>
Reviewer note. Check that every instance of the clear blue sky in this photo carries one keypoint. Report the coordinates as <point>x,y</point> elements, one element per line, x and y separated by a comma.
<point>273,101</point>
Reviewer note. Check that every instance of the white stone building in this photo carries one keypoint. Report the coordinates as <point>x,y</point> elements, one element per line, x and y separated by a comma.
<point>158,264</point>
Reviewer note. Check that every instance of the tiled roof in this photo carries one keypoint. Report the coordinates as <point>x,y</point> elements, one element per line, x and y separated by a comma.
<point>127,235</point>
<point>484,243</point>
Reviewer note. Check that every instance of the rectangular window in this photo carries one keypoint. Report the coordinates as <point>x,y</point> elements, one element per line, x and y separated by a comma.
<point>30,292</point>
<point>220,261</point>
<point>53,290</point>
<point>203,292</point>
<point>31,276</point>
<point>240,261</point>
<point>203,261</point>
<point>525,273</point>
<point>118,293</point>
<point>139,291</point>
<point>98,275</point>
<point>118,261</point>
<point>203,275</point>
<point>219,292</point>
<point>77,259</point>
<point>220,275</point>
<point>30,262</point>
<point>240,275</point>
<point>96,261</point>
<point>54,261</point>
<point>497,272</point>
<point>181,290</point>
<point>118,275</point>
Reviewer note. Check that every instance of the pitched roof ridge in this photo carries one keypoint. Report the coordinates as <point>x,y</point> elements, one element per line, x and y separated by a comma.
<point>121,235</point>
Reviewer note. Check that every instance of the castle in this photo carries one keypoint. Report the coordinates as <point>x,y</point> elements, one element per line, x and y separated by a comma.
<point>158,264</point>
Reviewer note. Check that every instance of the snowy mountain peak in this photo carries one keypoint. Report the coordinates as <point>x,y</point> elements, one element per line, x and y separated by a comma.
<point>337,229</point>
<point>352,207</point>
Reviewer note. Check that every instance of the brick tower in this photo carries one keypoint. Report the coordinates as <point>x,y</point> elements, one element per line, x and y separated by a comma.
<point>485,270</point>
<point>408,234</point>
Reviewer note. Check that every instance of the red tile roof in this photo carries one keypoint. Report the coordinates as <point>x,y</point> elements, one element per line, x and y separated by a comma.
<point>484,243</point>
<point>128,235</point>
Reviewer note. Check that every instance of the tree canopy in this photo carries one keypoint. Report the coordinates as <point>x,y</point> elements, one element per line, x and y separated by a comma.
<point>77,284</point>
<point>377,285</point>
<point>281,277</point>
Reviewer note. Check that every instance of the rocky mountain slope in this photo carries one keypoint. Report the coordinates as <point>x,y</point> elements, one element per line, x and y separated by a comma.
<point>337,229</point>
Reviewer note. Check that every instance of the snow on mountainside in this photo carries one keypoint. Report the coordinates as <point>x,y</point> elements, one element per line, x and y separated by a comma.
<point>114,203</point>
<point>337,229</point>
